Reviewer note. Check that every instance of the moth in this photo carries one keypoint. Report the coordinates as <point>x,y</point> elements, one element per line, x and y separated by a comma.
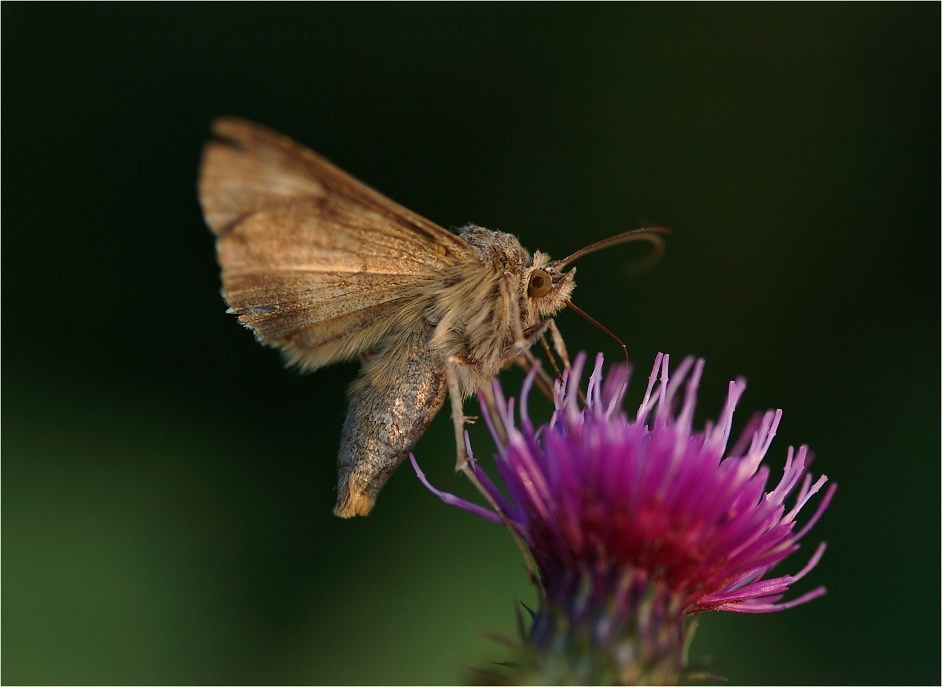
<point>325,269</point>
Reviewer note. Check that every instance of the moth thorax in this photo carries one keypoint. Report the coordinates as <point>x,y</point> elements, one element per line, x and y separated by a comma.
<point>496,248</point>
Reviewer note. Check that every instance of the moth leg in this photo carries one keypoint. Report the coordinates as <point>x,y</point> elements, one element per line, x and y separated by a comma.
<point>458,418</point>
<point>559,344</point>
<point>523,340</point>
<point>466,464</point>
<point>549,356</point>
<point>543,381</point>
<point>558,350</point>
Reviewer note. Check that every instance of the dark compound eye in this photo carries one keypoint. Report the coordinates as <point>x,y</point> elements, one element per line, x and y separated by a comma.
<point>540,283</point>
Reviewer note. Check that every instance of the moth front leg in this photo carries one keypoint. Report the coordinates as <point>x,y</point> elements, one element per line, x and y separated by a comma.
<point>523,338</point>
<point>520,348</point>
<point>559,348</point>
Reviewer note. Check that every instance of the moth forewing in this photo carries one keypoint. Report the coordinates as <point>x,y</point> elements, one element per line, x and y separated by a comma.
<point>324,268</point>
<point>314,262</point>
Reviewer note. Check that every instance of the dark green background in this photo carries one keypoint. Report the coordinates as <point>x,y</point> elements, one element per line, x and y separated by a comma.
<point>167,486</point>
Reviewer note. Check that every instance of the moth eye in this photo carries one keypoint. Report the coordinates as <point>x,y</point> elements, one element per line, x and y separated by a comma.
<point>540,283</point>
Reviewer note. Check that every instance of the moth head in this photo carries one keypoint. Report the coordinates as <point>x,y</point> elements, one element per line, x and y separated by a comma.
<point>548,287</point>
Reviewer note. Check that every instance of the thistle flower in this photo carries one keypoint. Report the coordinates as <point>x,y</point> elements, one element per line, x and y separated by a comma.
<point>635,526</point>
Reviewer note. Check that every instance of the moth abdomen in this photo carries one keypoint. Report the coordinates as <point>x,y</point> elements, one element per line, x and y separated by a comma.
<point>387,415</point>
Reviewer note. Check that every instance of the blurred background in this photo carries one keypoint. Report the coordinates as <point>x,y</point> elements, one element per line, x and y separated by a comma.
<point>167,484</point>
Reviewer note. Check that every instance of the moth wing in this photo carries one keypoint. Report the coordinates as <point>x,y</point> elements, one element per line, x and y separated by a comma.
<point>315,262</point>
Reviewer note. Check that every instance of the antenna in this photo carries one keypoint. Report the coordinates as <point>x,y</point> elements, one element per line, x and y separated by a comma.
<point>651,235</point>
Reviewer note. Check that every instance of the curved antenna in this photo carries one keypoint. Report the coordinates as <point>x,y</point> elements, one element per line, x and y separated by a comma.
<point>591,320</point>
<point>651,235</point>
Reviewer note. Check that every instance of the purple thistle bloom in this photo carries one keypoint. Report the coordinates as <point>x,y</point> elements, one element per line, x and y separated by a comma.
<point>636,524</point>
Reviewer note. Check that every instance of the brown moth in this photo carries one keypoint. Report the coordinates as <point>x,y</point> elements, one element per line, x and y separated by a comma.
<point>326,269</point>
